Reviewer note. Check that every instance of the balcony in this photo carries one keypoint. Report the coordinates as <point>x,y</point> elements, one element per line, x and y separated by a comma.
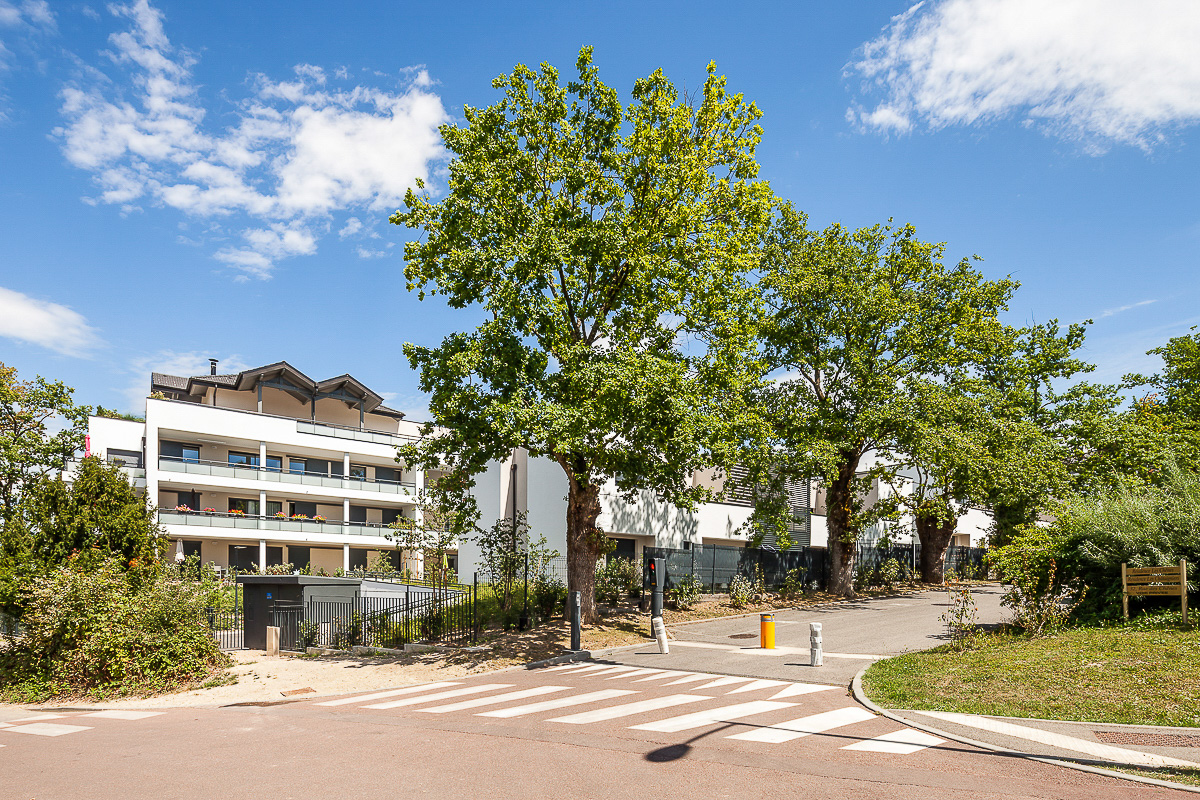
<point>284,525</point>
<point>347,432</point>
<point>221,469</point>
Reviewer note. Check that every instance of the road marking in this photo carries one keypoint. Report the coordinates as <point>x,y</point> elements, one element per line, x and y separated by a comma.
<point>902,742</point>
<point>754,686</point>
<point>561,702</point>
<point>691,678</point>
<point>711,716</point>
<point>39,718</point>
<point>728,680</point>
<point>412,701</point>
<point>561,667</point>
<point>805,726</point>
<point>120,714</point>
<point>671,673</point>
<point>5,725</point>
<point>801,688</point>
<point>635,673</point>
<point>47,729</point>
<point>629,709</point>
<point>778,650</point>
<point>613,671</point>
<point>496,698</point>
<point>1105,751</point>
<point>592,668</point>
<point>364,698</point>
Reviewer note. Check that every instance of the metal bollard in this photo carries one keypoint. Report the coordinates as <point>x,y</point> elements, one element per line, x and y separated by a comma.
<point>576,621</point>
<point>660,634</point>
<point>766,630</point>
<point>814,644</point>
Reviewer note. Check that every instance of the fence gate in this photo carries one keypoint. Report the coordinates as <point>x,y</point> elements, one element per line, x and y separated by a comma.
<point>228,624</point>
<point>287,616</point>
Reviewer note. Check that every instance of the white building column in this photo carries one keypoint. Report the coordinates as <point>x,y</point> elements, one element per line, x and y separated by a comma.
<point>346,558</point>
<point>345,510</point>
<point>262,455</point>
<point>262,503</point>
<point>346,465</point>
<point>262,556</point>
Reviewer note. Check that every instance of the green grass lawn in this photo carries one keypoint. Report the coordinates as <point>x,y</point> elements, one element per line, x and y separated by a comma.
<point>1120,674</point>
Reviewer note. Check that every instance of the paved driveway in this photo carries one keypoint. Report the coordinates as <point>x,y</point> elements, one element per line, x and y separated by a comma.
<point>855,633</point>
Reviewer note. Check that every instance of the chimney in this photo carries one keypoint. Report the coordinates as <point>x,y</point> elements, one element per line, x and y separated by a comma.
<point>212,366</point>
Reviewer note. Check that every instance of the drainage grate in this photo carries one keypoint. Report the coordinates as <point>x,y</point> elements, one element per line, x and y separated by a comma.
<point>743,636</point>
<point>1147,739</point>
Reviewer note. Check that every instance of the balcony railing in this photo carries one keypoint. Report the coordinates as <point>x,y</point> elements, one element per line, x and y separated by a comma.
<point>250,522</point>
<point>347,432</point>
<point>221,469</point>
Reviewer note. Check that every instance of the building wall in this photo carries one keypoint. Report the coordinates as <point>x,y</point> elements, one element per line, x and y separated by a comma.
<point>119,434</point>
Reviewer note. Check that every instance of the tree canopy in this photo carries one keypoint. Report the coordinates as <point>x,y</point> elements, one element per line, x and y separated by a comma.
<point>608,247</point>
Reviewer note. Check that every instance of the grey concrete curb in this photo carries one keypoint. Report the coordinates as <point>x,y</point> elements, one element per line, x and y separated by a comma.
<point>857,690</point>
<point>831,603</point>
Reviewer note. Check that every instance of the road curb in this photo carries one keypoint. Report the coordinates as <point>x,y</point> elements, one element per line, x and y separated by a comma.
<point>584,655</point>
<point>857,691</point>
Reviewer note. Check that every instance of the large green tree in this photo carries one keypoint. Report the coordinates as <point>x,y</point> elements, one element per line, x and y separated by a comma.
<point>40,430</point>
<point>608,248</point>
<point>858,319</point>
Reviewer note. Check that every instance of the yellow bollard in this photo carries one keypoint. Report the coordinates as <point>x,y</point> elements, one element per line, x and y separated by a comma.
<point>766,623</point>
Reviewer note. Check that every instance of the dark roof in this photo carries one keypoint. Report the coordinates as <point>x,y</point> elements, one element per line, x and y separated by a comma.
<point>344,387</point>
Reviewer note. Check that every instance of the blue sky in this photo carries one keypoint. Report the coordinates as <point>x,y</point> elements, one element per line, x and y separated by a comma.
<point>185,180</point>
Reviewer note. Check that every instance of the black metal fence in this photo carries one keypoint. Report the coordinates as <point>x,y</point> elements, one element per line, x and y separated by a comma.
<point>391,622</point>
<point>228,622</point>
<point>714,566</point>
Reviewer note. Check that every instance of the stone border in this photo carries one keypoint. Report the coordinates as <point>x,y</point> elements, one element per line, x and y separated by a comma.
<point>584,655</point>
<point>857,691</point>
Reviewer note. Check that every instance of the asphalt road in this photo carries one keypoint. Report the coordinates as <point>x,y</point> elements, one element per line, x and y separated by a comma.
<point>583,731</point>
<point>855,633</point>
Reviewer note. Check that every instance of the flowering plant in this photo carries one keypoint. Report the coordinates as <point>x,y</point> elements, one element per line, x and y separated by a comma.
<point>299,516</point>
<point>184,509</point>
<point>319,518</point>
<point>237,511</point>
<point>210,511</point>
<point>280,515</point>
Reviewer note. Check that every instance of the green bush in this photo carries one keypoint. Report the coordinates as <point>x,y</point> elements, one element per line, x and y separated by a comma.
<point>742,591</point>
<point>106,631</point>
<point>549,596</point>
<point>1091,536</point>
<point>793,583</point>
<point>684,594</point>
<point>617,579</point>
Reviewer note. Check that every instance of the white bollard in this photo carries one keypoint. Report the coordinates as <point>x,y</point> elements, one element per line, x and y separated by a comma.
<point>814,644</point>
<point>660,633</point>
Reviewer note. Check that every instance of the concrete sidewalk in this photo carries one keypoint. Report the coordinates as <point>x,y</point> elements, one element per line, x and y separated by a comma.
<point>855,633</point>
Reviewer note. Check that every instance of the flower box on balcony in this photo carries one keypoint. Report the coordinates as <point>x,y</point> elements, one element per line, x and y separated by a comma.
<point>210,511</point>
<point>237,512</point>
<point>183,509</point>
<point>318,518</point>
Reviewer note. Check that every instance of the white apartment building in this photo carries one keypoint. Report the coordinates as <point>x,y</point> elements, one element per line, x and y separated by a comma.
<point>269,466</point>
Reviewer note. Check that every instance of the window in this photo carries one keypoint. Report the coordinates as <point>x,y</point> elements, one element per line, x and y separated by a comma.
<point>177,451</point>
<point>243,505</point>
<point>191,454</point>
<point>275,463</point>
<point>274,507</point>
<point>358,472</point>
<point>189,499</point>
<point>243,459</point>
<point>124,458</point>
<point>296,466</point>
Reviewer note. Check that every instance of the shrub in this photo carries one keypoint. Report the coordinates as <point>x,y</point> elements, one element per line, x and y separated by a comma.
<point>549,596</point>
<point>888,574</point>
<point>742,591</point>
<point>959,619</point>
<point>684,594</point>
<point>793,582</point>
<point>106,631</point>
<point>617,579</point>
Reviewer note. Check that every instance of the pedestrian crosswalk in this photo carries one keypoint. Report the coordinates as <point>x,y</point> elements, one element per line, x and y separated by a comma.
<point>659,701</point>
<point>40,724</point>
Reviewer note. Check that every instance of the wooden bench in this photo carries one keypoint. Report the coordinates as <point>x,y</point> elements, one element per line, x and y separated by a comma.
<point>1154,582</point>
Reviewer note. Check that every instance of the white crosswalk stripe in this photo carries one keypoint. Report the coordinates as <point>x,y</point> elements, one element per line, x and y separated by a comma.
<point>613,671</point>
<point>561,702</point>
<point>115,713</point>
<point>522,694</point>
<point>805,726</point>
<point>903,742</point>
<point>797,689</point>
<point>711,716</point>
<point>629,709</point>
<point>446,695</point>
<point>345,701</point>
<point>728,680</point>
<point>47,729</point>
<point>693,678</point>
<point>671,673</point>
<point>754,686</point>
<point>636,673</point>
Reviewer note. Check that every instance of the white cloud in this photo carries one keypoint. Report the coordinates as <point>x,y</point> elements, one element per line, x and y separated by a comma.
<point>172,363</point>
<point>50,325</point>
<point>366,252</point>
<point>1094,71</point>
<point>296,153</point>
<point>1108,312</point>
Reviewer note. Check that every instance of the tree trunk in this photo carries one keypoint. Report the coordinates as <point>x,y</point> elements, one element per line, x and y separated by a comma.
<point>842,527</point>
<point>935,534</point>
<point>584,544</point>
